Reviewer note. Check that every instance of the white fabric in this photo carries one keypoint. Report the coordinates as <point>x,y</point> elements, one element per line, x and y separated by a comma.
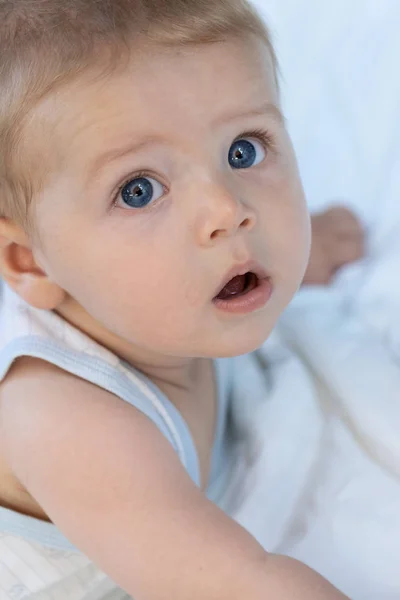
<point>325,487</point>
<point>32,571</point>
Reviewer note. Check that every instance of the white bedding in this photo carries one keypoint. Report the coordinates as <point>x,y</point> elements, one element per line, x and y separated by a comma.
<point>326,485</point>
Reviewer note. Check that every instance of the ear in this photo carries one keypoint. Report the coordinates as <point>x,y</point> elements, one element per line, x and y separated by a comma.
<point>20,271</point>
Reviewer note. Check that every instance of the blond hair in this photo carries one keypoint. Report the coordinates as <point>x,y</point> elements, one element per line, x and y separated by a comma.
<point>45,43</point>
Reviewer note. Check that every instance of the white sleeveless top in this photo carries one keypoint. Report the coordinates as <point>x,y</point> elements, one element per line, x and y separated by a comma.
<point>36,560</point>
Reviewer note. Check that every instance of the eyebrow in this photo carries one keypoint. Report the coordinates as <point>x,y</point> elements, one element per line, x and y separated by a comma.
<point>116,153</point>
<point>267,109</point>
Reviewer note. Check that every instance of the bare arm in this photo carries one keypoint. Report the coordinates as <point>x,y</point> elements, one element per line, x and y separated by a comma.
<point>110,481</point>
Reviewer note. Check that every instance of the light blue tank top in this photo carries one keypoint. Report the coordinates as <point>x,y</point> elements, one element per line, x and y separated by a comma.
<point>26,331</point>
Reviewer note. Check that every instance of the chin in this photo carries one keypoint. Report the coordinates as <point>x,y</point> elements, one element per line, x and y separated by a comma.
<point>243,343</point>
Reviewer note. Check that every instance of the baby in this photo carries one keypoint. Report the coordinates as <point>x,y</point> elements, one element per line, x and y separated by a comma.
<point>153,226</point>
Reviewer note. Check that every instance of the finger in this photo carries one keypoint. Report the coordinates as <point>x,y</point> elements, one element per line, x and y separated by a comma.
<point>346,223</point>
<point>339,211</point>
<point>350,226</point>
<point>347,251</point>
<point>348,232</point>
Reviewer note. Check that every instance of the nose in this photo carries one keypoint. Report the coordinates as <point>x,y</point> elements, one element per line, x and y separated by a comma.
<point>222,214</point>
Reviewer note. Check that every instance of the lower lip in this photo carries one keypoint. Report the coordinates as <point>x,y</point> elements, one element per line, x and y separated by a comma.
<point>249,302</point>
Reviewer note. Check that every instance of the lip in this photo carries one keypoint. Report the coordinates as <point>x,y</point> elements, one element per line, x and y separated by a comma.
<point>253,300</point>
<point>249,266</point>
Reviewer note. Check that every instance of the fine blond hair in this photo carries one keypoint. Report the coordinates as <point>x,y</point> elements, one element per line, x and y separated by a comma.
<point>46,43</point>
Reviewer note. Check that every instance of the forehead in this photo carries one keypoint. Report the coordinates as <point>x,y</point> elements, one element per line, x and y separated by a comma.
<point>161,92</point>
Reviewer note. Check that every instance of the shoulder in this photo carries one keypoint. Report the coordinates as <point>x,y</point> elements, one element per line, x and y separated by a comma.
<point>50,418</point>
<point>34,386</point>
<point>27,369</point>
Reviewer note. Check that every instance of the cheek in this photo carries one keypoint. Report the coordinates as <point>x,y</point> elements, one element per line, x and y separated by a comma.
<point>298,234</point>
<point>288,228</point>
<point>124,277</point>
<point>135,291</point>
<point>299,218</point>
<point>134,281</point>
<point>301,228</point>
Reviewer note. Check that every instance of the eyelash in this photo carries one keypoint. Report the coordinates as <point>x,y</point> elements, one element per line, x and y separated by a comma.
<point>260,135</point>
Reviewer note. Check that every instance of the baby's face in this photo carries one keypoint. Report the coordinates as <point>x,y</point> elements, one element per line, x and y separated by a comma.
<point>152,198</point>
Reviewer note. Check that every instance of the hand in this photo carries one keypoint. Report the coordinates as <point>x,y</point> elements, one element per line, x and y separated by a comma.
<point>338,239</point>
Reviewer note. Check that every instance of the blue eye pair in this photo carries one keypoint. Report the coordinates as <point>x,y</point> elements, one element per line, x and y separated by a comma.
<point>141,191</point>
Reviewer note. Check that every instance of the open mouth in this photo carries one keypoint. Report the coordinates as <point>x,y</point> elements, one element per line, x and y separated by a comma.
<point>239,286</point>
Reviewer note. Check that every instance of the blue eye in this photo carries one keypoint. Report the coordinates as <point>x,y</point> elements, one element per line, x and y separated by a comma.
<point>139,192</point>
<point>246,153</point>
